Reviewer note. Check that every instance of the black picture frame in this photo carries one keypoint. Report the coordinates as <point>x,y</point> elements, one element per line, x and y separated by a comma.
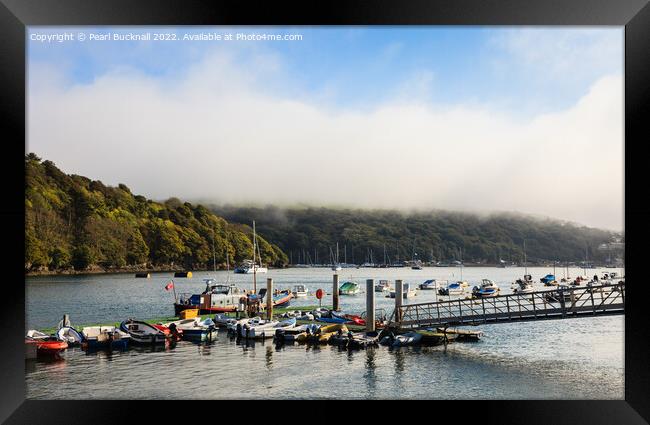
<point>15,15</point>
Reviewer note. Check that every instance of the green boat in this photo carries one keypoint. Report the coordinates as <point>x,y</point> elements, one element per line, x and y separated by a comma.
<point>349,288</point>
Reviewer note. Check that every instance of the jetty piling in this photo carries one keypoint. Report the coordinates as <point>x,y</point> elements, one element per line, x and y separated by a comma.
<point>335,292</point>
<point>398,300</point>
<point>269,298</point>
<point>370,305</point>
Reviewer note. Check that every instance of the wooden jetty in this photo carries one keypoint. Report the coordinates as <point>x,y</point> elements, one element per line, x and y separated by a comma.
<point>572,302</point>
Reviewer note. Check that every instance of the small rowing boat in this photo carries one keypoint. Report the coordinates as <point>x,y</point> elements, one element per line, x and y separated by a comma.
<point>142,332</point>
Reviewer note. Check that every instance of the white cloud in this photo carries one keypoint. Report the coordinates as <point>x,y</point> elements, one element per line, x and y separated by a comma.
<point>219,134</point>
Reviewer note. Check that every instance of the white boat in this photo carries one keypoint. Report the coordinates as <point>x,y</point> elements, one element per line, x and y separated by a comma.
<point>248,267</point>
<point>34,334</point>
<point>299,291</point>
<point>523,286</point>
<point>251,266</point>
<point>235,326</point>
<point>454,288</point>
<point>433,284</point>
<point>265,328</point>
<point>222,320</point>
<point>383,285</point>
<point>69,335</point>
<point>487,289</point>
<point>105,337</point>
<point>407,291</point>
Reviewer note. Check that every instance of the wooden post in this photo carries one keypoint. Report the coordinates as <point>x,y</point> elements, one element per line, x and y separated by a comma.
<point>335,292</point>
<point>269,298</point>
<point>398,301</point>
<point>370,305</point>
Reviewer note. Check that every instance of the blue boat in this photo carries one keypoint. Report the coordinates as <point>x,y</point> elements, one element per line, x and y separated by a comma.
<point>549,278</point>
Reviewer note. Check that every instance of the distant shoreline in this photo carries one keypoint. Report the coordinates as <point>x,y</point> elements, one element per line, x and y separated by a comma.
<point>168,269</point>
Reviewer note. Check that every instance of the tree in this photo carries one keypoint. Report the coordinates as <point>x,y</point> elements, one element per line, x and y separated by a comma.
<point>82,257</point>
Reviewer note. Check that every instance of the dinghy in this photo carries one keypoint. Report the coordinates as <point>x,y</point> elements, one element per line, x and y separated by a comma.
<point>102,337</point>
<point>409,338</point>
<point>142,332</point>
<point>69,335</point>
<point>324,333</point>
<point>198,330</point>
<point>34,334</point>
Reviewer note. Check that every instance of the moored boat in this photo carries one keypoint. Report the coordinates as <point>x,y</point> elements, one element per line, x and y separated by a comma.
<point>142,332</point>
<point>324,333</point>
<point>454,288</point>
<point>299,291</point>
<point>487,289</point>
<point>219,298</point>
<point>69,335</point>
<point>104,337</point>
<point>432,284</point>
<point>349,288</point>
<point>549,280</point>
<point>407,291</point>
<point>382,286</point>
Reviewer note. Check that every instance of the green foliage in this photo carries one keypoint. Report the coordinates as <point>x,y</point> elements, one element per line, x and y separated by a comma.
<point>308,233</point>
<point>82,257</point>
<point>72,221</point>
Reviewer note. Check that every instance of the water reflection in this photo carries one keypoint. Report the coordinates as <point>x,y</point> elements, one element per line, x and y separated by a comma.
<point>370,376</point>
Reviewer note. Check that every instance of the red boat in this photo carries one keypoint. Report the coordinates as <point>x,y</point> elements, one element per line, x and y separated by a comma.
<point>50,347</point>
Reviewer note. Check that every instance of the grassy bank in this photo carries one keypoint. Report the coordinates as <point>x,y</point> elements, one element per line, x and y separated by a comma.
<point>276,312</point>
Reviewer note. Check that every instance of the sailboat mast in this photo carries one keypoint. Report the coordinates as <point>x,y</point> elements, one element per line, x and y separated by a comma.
<point>525,262</point>
<point>254,262</point>
<point>214,258</point>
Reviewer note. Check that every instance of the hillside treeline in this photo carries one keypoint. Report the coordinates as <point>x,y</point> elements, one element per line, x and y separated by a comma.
<point>307,233</point>
<point>73,222</point>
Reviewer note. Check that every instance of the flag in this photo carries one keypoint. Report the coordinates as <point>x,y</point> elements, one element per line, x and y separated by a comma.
<point>169,286</point>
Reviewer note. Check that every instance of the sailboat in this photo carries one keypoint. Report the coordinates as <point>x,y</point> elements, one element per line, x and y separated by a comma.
<point>251,266</point>
<point>416,264</point>
<point>336,266</point>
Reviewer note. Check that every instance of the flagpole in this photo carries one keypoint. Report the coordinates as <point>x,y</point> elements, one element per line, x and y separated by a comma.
<point>174,289</point>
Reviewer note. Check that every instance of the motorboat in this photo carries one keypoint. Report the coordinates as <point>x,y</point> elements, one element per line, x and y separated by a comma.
<point>407,291</point>
<point>383,285</point>
<point>195,329</point>
<point>406,339</point>
<point>296,333</point>
<point>454,288</point>
<point>142,332</point>
<point>433,284</point>
<point>105,337</point>
<point>522,286</point>
<point>349,288</point>
<point>69,335</point>
<point>216,298</point>
<point>487,289</point>
<point>249,267</point>
<point>47,346</point>
<point>549,280</point>
<point>299,291</point>
<point>266,328</point>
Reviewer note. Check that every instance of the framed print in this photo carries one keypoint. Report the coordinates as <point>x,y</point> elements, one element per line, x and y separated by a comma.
<point>258,201</point>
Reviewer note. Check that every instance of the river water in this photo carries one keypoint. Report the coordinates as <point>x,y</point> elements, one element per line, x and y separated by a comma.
<point>557,359</point>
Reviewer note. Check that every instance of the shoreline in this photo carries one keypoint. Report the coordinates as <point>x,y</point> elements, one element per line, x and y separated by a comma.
<point>169,269</point>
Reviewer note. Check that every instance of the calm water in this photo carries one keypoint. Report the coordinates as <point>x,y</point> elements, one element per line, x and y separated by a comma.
<point>558,359</point>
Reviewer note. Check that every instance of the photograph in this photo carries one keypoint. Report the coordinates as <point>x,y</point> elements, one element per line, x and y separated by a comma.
<point>325,212</point>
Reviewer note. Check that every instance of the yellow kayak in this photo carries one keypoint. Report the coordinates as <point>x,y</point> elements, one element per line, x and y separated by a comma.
<point>326,332</point>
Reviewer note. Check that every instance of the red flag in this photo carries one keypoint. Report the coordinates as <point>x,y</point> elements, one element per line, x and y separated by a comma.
<point>169,286</point>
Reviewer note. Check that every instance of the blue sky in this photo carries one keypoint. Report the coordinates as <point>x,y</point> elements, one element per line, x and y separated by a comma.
<point>360,66</point>
<point>466,118</point>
